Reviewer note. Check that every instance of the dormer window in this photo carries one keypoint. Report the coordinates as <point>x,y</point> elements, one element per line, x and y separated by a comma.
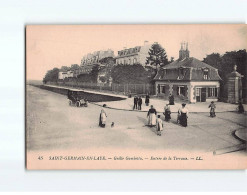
<point>180,73</point>
<point>205,74</point>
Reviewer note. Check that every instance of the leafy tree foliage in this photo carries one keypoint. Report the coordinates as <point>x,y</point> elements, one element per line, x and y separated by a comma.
<point>94,73</point>
<point>51,75</point>
<point>86,78</point>
<point>130,74</point>
<point>157,56</point>
<point>108,61</point>
<point>64,68</point>
<point>102,79</point>
<point>74,67</point>
<point>226,62</point>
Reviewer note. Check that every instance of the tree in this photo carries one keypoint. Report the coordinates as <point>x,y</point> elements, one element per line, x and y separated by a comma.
<point>130,74</point>
<point>74,67</point>
<point>51,75</point>
<point>102,79</point>
<point>64,68</point>
<point>94,73</point>
<point>214,60</point>
<point>110,61</point>
<point>226,62</point>
<point>157,56</point>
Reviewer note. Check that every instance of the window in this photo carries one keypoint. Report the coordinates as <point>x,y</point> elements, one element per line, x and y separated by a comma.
<point>181,73</point>
<point>205,74</point>
<point>158,88</point>
<point>181,90</point>
<point>129,61</point>
<point>197,91</point>
<point>212,92</point>
<point>163,89</point>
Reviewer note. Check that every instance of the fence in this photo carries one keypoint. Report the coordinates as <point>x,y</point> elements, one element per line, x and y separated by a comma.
<point>120,88</point>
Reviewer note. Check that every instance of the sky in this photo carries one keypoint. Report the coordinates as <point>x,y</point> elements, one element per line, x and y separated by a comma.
<point>50,46</point>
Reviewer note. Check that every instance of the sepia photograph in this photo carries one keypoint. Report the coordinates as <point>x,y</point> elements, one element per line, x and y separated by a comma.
<point>154,96</point>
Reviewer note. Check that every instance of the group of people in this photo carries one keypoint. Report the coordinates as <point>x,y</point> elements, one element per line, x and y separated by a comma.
<point>156,121</point>
<point>153,121</point>
<point>138,102</point>
<point>181,117</point>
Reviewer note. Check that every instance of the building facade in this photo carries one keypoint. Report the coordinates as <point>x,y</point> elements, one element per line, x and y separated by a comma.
<point>188,79</point>
<point>68,74</point>
<point>136,55</point>
<point>96,56</point>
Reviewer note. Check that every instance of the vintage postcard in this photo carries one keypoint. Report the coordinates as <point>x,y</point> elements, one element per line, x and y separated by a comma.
<point>136,96</point>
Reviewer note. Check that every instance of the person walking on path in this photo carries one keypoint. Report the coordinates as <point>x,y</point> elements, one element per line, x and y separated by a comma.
<point>140,103</point>
<point>240,107</point>
<point>183,112</point>
<point>159,125</point>
<point>167,112</point>
<point>171,99</point>
<point>147,100</point>
<point>152,116</point>
<point>212,107</point>
<point>102,117</point>
<point>135,102</point>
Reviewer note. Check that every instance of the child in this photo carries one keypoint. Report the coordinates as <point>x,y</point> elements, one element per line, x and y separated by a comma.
<point>159,125</point>
<point>212,107</point>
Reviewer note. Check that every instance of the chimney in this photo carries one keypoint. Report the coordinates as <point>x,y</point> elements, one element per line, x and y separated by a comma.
<point>184,51</point>
<point>145,42</point>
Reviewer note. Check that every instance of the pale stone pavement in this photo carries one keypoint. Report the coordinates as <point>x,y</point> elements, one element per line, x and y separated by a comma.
<point>53,124</point>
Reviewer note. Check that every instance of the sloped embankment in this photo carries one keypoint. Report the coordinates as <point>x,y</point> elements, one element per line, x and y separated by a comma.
<point>90,96</point>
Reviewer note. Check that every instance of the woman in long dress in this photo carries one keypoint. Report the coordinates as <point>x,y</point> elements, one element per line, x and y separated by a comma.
<point>212,107</point>
<point>167,112</point>
<point>159,125</point>
<point>240,107</point>
<point>183,115</point>
<point>171,99</point>
<point>152,116</point>
<point>102,117</point>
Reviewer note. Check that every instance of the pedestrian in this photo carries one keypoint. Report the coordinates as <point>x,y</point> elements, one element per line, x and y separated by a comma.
<point>171,99</point>
<point>102,117</point>
<point>212,107</point>
<point>167,112</point>
<point>159,125</point>
<point>240,107</point>
<point>135,102</point>
<point>140,103</point>
<point>183,112</point>
<point>178,117</point>
<point>129,94</point>
<point>152,116</point>
<point>147,100</point>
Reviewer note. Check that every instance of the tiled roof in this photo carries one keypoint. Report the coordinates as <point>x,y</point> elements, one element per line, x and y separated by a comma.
<point>188,62</point>
<point>191,70</point>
